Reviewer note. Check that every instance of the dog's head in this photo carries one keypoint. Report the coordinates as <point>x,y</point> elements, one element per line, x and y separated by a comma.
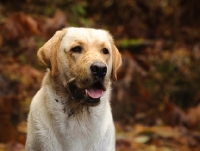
<point>84,59</point>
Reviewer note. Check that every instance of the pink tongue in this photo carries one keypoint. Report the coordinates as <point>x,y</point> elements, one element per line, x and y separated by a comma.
<point>95,93</point>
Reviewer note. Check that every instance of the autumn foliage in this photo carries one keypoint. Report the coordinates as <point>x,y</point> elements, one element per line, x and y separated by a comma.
<point>155,102</point>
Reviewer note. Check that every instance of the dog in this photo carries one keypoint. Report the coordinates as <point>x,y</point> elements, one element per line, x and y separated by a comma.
<point>71,111</point>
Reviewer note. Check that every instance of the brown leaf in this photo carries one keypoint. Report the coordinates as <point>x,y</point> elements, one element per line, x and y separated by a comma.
<point>19,25</point>
<point>48,26</point>
<point>121,142</point>
<point>194,116</point>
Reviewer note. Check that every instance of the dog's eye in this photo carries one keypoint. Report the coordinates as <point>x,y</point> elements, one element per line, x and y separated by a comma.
<point>77,49</point>
<point>105,51</point>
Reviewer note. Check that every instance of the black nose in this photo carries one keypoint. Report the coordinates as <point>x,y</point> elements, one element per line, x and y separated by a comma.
<point>98,69</point>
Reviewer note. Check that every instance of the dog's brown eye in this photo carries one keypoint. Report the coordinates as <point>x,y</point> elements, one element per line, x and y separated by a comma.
<point>76,49</point>
<point>105,51</point>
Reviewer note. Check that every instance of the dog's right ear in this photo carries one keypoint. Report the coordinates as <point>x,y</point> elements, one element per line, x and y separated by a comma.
<point>48,53</point>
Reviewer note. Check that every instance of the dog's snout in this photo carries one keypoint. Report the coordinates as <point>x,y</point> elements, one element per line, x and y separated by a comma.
<point>98,69</point>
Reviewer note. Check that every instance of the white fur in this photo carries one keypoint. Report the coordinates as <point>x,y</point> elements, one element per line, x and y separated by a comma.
<point>52,129</point>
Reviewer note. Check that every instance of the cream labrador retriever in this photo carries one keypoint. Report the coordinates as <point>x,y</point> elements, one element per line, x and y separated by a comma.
<point>71,111</point>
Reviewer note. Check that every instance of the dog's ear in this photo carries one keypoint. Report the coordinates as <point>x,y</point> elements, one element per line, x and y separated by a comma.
<point>116,62</point>
<point>48,53</point>
<point>116,59</point>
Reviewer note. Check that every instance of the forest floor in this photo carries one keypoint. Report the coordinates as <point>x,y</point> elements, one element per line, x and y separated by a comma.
<point>135,137</point>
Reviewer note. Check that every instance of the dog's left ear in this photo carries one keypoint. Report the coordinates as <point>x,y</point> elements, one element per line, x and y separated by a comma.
<point>116,62</point>
<point>116,59</point>
<point>47,54</point>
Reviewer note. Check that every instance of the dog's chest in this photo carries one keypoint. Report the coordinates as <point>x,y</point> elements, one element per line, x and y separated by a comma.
<point>80,132</point>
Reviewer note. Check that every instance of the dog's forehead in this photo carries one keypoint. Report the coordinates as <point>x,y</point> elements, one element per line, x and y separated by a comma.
<point>85,35</point>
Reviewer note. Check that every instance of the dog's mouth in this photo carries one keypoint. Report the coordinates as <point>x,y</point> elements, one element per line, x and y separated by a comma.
<point>89,96</point>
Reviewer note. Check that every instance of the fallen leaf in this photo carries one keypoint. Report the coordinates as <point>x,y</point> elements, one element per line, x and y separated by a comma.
<point>142,139</point>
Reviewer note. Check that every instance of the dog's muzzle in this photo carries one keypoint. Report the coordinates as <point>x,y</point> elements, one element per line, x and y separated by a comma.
<point>90,94</point>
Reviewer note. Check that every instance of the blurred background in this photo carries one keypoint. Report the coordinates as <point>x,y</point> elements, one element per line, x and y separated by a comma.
<point>156,100</point>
